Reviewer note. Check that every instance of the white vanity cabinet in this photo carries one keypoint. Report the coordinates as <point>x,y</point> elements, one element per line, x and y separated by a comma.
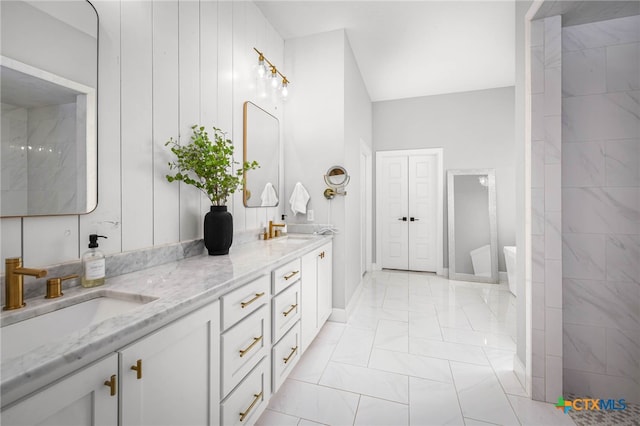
<point>316,289</point>
<point>85,397</point>
<point>171,376</point>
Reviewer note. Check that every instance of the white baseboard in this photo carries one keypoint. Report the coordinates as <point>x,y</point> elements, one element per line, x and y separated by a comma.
<point>375,267</point>
<point>520,371</point>
<point>342,315</point>
<point>445,272</point>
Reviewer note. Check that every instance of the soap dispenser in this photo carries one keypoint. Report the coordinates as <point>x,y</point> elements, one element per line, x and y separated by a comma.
<point>93,264</point>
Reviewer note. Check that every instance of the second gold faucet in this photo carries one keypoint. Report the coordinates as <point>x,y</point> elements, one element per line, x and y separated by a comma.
<point>272,232</point>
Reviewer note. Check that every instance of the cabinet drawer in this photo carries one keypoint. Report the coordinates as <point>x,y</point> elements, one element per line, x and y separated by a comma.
<point>243,346</point>
<point>285,310</point>
<point>286,275</point>
<point>285,356</point>
<point>244,300</point>
<point>249,399</point>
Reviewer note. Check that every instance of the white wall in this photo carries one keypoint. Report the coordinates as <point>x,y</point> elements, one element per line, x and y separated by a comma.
<point>164,66</point>
<point>476,130</point>
<point>326,118</point>
<point>358,127</point>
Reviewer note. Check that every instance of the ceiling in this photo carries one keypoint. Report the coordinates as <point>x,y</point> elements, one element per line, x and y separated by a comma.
<point>412,48</point>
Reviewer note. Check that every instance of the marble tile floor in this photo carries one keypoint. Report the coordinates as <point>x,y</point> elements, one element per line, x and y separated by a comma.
<point>417,350</point>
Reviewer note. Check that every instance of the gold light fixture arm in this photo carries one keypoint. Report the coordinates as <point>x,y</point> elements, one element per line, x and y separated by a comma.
<point>274,69</point>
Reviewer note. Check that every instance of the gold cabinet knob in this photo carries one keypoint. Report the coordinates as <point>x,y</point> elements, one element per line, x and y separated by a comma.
<point>111,383</point>
<point>138,369</point>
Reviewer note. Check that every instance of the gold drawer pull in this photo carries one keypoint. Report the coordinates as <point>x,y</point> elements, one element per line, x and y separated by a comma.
<point>293,351</point>
<point>257,296</point>
<point>112,385</point>
<point>255,401</point>
<point>291,275</point>
<point>138,369</point>
<point>244,351</point>
<point>290,310</point>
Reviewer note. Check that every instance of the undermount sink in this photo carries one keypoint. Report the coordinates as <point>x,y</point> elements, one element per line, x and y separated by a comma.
<point>293,239</point>
<point>71,315</point>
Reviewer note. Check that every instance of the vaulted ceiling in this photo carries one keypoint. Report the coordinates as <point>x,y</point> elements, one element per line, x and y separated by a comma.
<point>413,48</point>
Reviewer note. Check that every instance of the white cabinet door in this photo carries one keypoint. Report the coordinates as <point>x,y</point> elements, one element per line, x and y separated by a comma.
<point>79,399</point>
<point>325,284</point>
<point>171,377</point>
<point>309,299</point>
<point>317,292</point>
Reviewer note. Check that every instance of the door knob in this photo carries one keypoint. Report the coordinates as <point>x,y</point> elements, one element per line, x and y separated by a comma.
<point>403,218</point>
<point>413,219</point>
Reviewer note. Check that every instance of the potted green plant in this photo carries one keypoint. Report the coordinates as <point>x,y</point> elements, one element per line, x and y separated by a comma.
<point>208,165</point>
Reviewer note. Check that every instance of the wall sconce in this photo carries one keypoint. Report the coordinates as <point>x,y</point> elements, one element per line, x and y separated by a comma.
<point>272,78</point>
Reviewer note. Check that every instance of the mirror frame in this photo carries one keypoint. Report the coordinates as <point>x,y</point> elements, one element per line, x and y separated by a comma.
<point>493,229</point>
<point>245,120</point>
<point>91,168</point>
<point>344,174</point>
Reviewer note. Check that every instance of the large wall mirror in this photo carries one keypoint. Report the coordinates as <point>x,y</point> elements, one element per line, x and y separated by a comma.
<point>473,236</point>
<point>261,144</point>
<point>49,73</point>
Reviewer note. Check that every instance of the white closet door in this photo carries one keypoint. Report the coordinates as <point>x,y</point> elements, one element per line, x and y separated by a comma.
<point>394,189</point>
<point>422,213</point>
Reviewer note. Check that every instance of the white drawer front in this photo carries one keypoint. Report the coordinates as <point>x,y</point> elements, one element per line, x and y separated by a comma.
<point>286,275</point>
<point>285,356</point>
<point>285,310</point>
<point>243,346</point>
<point>244,300</point>
<point>249,399</point>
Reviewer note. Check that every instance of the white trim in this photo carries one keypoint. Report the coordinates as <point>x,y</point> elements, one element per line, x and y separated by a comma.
<point>439,153</point>
<point>375,267</point>
<point>368,188</point>
<point>502,277</point>
<point>519,370</point>
<point>342,315</point>
<point>528,377</point>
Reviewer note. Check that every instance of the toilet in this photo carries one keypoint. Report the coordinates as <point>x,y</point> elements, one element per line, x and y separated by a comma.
<point>510,261</point>
<point>481,261</point>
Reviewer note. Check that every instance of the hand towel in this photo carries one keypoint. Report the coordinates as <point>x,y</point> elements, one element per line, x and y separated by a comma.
<point>299,199</point>
<point>269,197</point>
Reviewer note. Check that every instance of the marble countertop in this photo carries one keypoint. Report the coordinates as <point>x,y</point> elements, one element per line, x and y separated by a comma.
<point>176,288</point>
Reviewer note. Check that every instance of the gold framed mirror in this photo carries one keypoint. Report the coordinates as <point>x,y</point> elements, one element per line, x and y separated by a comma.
<point>262,144</point>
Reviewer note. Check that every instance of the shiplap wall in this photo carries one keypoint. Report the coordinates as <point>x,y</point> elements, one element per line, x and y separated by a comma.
<point>164,66</point>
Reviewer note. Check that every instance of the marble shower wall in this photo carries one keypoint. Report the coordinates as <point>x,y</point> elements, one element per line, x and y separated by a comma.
<point>546,205</point>
<point>14,159</point>
<point>52,160</point>
<point>601,211</point>
<point>40,159</point>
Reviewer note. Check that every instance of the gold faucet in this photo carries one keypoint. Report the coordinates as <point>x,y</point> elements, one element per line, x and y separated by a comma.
<point>14,279</point>
<point>272,232</point>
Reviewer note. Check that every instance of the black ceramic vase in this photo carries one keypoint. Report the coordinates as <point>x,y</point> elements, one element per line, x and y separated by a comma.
<point>218,230</point>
